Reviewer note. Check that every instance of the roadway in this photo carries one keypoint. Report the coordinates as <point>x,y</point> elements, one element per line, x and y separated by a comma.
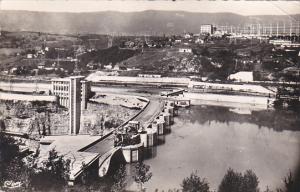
<point>102,146</point>
<point>144,117</point>
<point>153,108</point>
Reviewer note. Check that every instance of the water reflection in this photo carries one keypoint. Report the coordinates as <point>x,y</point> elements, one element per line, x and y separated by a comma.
<point>278,120</point>
<point>167,130</point>
<point>161,139</point>
<point>211,139</point>
<point>150,152</point>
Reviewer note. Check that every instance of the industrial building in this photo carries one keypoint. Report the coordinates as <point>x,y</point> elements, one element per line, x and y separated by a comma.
<point>206,28</point>
<point>73,92</point>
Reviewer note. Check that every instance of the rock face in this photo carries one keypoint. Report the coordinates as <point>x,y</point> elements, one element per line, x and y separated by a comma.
<point>45,118</point>
<point>100,116</point>
<point>33,118</point>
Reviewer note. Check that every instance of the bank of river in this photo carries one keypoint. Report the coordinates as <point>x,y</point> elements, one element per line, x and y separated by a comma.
<point>211,139</point>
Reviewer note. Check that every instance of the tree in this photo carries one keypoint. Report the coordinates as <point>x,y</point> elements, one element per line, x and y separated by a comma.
<point>11,163</point>
<point>237,182</point>
<point>52,174</point>
<point>142,174</point>
<point>231,181</point>
<point>194,183</point>
<point>250,182</point>
<point>290,183</point>
<point>205,52</point>
<point>119,179</point>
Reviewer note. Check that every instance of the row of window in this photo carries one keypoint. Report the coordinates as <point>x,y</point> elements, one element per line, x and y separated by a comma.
<point>60,88</point>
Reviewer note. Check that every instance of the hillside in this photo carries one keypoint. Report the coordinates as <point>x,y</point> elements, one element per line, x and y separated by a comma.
<point>145,22</point>
<point>170,61</point>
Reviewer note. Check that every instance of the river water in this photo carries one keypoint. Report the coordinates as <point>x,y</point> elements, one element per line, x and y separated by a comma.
<point>210,139</point>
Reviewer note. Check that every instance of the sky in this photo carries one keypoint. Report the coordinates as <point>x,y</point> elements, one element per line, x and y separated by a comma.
<point>239,7</point>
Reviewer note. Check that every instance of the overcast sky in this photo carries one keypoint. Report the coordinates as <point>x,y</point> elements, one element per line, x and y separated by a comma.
<point>239,7</point>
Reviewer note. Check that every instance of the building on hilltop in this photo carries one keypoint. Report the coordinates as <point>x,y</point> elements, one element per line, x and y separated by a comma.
<point>150,75</point>
<point>73,92</point>
<point>185,50</point>
<point>242,76</point>
<point>206,28</point>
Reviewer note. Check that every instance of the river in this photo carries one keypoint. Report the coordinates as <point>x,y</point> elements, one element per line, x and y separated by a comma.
<point>210,139</point>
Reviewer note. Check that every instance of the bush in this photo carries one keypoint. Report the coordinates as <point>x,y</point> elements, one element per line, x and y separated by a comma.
<point>52,175</point>
<point>11,164</point>
<point>194,183</point>
<point>142,174</point>
<point>237,182</point>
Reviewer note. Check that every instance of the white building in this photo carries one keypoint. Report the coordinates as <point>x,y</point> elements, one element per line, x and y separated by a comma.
<point>187,36</point>
<point>185,50</point>
<point>29,56</point>
<point>73,93</point>
<point>242,76</point>
<point>218,33</point>
<point>199,41</point>
<point>280,42</point>
<point>206,28</point>
<point>149,75</point>
<point>109,66</point>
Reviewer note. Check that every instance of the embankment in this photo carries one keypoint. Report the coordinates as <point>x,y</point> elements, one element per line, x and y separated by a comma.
<point>26,97</point>
<point>199,98</point>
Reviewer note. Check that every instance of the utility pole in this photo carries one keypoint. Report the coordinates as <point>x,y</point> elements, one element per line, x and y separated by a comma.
<point>36,82</point>
<point>277,30</point>
<point>291,26</point>
<point>284,29</point>
<point>110,42</point>
<point>76,70</point>
<point>10,83</point>
<point>298,28</point>
<point>58,59</point>
<point>235,66</point>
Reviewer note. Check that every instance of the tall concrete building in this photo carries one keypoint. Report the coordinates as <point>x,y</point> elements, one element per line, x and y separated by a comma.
<point>206,28</point>
<point>73,93</point>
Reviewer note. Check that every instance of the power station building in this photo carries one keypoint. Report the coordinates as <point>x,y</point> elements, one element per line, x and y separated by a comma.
<point>206,28</point>
<point>73,92</point>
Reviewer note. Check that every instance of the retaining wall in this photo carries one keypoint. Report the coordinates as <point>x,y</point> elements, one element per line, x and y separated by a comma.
<point>253,100</point>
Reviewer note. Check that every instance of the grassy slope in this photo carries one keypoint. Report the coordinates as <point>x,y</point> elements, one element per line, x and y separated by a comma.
<point>158,60</point>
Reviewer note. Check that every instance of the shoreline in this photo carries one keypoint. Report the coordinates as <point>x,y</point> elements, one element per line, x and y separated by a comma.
<point>230,100</point>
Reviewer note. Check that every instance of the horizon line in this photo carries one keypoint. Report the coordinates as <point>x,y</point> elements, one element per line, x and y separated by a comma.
<point>78,12</point>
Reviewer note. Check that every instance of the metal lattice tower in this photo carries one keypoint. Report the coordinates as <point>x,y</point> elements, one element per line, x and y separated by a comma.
<point>10,85</point>
<point>110,41</point>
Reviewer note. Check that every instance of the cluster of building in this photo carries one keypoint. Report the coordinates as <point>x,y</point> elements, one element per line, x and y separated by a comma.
<point>283,43</point>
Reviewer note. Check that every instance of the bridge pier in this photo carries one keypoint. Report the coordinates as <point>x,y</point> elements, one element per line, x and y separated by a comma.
<point>159,125</point>
<point>133,153</point>
<point>166,116</point>
<point>149,137</point>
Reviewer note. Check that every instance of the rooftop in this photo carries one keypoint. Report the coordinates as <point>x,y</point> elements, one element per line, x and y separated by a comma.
<point>68,78</point>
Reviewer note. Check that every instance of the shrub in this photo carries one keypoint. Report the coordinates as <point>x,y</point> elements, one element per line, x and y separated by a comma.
<point>237,182</point>
<point>194,183</point>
